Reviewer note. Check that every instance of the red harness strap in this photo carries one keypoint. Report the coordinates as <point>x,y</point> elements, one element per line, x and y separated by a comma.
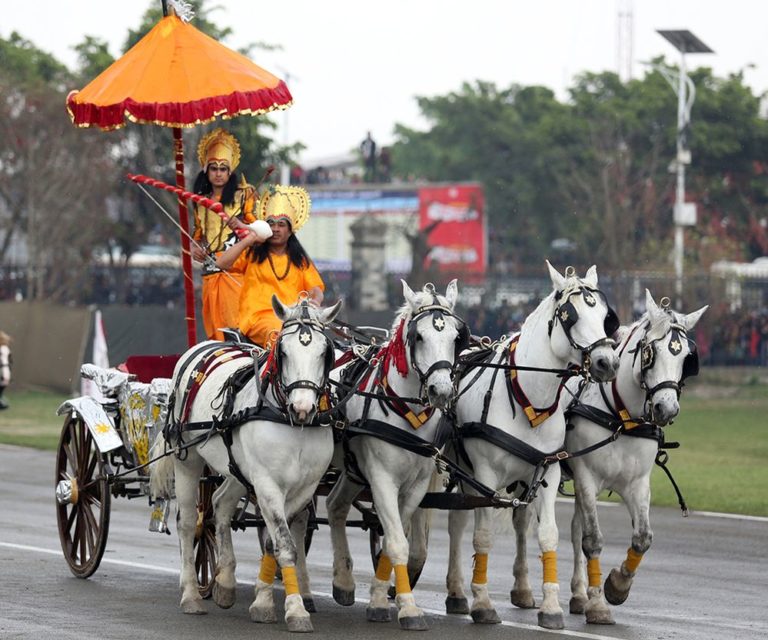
<point>203,369</point>
<point>403,410</point>
<point>621,408</point>
<point>535,415</point>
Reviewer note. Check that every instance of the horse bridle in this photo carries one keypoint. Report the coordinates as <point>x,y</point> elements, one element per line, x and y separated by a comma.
<point>305,327</point>
<point>647,351</point>
<point>438,313</point>
<point>566,314</point>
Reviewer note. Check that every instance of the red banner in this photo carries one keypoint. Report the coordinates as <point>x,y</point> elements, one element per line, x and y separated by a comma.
<point>458,239</point>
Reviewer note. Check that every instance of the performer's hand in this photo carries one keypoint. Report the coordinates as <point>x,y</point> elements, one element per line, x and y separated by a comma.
<point>250,238</point>
<point>234,223</point>
<point>198,253</point>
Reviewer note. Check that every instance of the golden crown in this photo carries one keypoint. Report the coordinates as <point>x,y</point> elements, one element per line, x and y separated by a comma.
<point>281,201</point>
<point>219,146</point>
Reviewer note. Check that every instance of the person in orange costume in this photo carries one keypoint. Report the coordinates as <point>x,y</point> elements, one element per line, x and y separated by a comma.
<point>279,265</point>
<point>219,154</point>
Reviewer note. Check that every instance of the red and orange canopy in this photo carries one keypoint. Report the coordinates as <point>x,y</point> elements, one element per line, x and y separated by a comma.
<point>176,76</point>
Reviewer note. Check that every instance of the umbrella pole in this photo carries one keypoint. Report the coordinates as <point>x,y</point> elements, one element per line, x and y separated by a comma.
<point>186,260</point>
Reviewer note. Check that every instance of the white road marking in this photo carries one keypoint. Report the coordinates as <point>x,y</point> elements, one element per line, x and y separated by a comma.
<point>434,612</point>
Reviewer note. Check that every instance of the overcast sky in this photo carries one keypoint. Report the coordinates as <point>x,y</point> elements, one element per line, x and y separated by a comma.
<point>356,65</point>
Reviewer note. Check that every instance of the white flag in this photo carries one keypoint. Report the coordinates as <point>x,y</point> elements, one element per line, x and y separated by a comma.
<point>99,357</point>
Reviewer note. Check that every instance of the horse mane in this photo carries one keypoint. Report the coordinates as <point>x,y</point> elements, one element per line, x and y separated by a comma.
<point>660,325</point>
<point>394,350</point>
<point>546,307</point>
<point>293,312</point>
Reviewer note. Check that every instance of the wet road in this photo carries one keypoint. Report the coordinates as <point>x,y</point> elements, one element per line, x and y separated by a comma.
<point>704,577</point>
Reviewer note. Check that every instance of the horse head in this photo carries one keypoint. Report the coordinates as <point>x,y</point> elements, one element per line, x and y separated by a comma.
<point>582,323</point>
<point>304,356</point>
<point>667,356</point>
<point>434,336</point>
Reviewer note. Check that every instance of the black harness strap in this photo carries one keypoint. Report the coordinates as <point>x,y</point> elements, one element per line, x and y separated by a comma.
<point>505,441</point>
<point>398,437</point>
<point>615,424</point>
<point>410,442</point>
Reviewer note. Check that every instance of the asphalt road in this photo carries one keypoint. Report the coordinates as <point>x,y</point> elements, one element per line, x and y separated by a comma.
<point>704,578</point>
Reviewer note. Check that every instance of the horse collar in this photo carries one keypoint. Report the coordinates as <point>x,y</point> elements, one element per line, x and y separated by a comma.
<point>399,406</point>
<point>535,416</point>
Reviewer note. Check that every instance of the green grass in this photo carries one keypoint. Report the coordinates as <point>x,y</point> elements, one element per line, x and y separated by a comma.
<point>720,465</point>
<point>31,420</point>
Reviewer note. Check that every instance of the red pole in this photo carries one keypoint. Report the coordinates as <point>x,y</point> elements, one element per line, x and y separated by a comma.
<point>186,259</point>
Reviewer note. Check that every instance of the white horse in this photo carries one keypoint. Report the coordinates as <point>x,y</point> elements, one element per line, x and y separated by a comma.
<point>656,356</point>
<point>390,440</point>
<point>512,429</point>
<point>270,445</point>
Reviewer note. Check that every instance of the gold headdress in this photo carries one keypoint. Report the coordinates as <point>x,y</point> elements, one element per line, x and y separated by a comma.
<point>219,146</point>
<point>281,201</point>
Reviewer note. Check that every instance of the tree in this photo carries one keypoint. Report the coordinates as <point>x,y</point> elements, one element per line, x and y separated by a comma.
<point>595,169</point>
<point>51,184</point>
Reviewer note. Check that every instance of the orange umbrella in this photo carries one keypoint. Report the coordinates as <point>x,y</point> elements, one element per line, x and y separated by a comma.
<point>176,76</point>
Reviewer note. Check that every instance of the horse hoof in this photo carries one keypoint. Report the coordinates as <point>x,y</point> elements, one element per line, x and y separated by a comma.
<point>309,605</point>
<point>193,607</point>
<point>485,616</point>
<point>413,623</point>
<point>224,597</point>
<point>613,594</point>
<point>378,614</point>
<point>577,604</point>
<point>599,616</point>
<point>551,620</point>
<point>457,605</point>
<point>299,624</point>
<point>522,598</point>
<point>343,597</point>
<point>262,616</point>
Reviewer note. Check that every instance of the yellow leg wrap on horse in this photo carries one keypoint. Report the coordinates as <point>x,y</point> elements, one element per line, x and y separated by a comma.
<point>480,569</point>
<point>549,563</point>
<point>593,572</point>
<point>268,569</point>
<point>290,581</point>
<point>384,568</point>
<point>402,584</point>
<point>633,560</point>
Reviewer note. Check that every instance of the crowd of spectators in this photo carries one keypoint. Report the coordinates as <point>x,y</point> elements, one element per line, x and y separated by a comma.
<point>723,337</point>
<point>735,338</point>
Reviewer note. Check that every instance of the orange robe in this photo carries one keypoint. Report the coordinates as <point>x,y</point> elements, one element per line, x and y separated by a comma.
<point>257,318</point>
<point>221,291</point>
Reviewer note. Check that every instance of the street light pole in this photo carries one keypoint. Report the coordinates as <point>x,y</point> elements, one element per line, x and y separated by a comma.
<point>680,187</point>
<point>684,214</point>
<point>285,169</point>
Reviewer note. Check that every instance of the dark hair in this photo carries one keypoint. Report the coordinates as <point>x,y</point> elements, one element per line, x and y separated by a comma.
<point>204,187</point>
<point>296,253</point>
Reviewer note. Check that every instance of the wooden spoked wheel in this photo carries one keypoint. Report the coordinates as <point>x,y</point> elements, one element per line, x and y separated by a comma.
<point>205,538</point>
<point>83,498</point>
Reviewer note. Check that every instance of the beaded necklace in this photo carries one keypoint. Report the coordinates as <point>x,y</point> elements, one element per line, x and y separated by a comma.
<point>272,266</point>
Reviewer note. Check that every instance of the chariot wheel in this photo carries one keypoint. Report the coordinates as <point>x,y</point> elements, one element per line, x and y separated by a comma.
<point>205,538</point>
<point>82,498</point>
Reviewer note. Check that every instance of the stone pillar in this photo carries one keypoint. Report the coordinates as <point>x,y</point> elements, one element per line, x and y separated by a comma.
<point>369,281</point>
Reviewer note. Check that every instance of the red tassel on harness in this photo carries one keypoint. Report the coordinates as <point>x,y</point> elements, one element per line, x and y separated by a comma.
<point>271,362</point>
<point>395,352</point>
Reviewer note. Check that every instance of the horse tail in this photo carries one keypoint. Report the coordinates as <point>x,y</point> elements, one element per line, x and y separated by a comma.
<point>161,471</point>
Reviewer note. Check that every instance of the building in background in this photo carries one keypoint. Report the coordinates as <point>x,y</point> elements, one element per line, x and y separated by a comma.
<point>454,213</point>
